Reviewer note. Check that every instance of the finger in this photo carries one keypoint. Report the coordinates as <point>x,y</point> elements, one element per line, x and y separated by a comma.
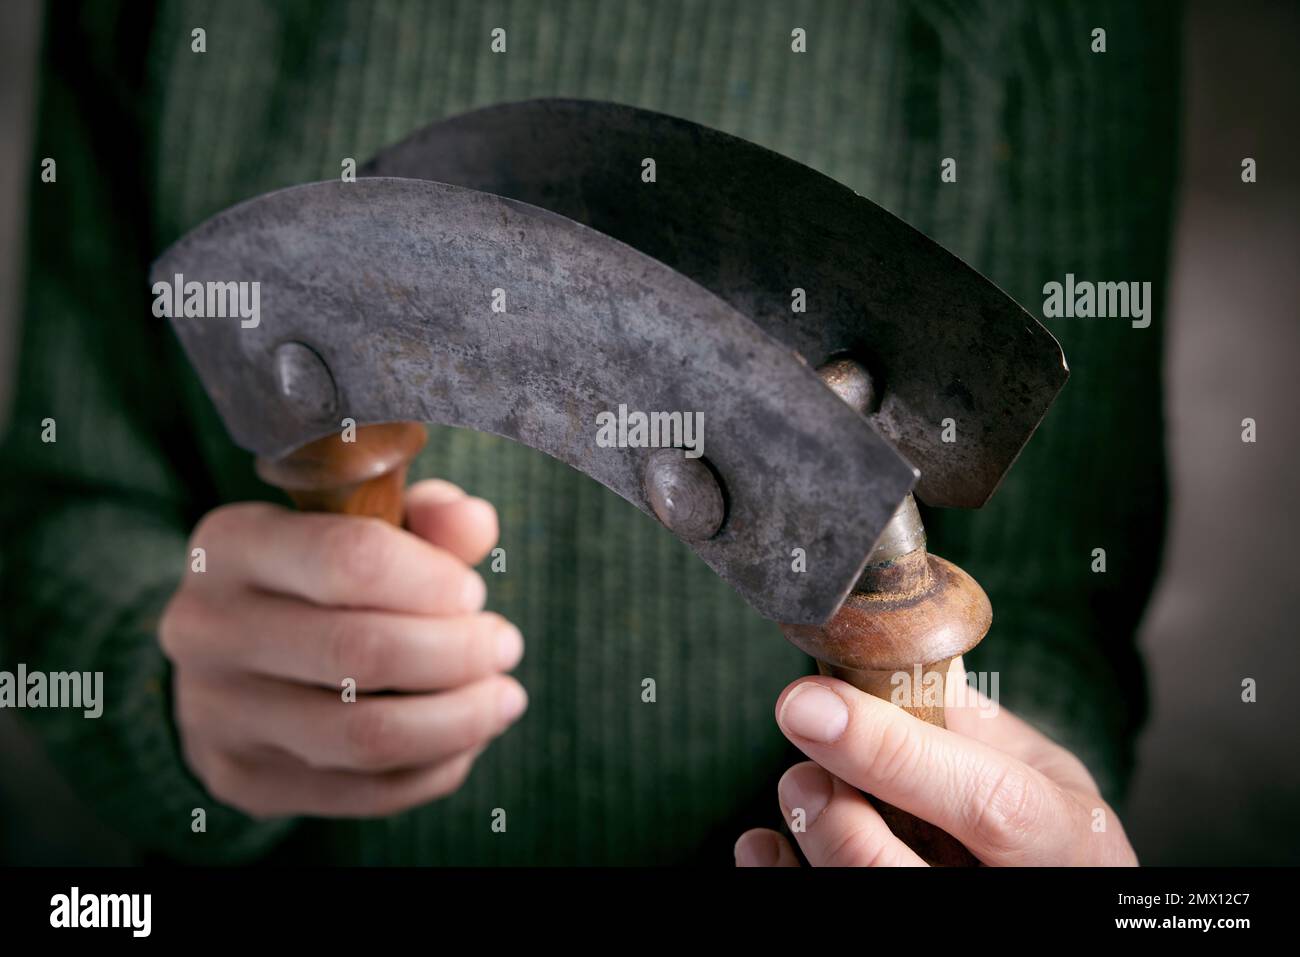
<point>267,787</point>
<point>761,847</point>
<point>281,637</point>
<point>971,713</point>
<point>1002,809</point>
<point>443,515</point>
<point>372,733</point>
<point>835,825</point>
<point>337,560</point>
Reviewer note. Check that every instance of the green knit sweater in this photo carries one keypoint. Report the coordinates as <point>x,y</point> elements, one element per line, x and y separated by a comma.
<point>1065,164</point>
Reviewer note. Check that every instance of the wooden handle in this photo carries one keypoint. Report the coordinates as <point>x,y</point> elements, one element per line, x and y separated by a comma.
<point>898,631</point>
<point>935,846</point>
<point>362,477</point>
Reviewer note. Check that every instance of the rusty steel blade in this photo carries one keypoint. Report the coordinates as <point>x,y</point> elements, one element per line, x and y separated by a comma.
<point>940,340</point>
<point>375,304</point>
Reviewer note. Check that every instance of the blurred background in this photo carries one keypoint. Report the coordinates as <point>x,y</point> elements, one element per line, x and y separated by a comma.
<point>1218,779</point>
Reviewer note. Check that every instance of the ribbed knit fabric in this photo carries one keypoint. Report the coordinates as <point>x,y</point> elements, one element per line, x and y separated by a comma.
<point>1065,164</point>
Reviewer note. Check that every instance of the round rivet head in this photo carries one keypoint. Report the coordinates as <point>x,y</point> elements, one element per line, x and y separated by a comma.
<point>851,381</point>
<point>305,382</point>
<point>684,494</point>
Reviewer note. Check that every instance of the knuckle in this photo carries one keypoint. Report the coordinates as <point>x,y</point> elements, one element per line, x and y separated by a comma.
<point>358,653</point>
<point>358,550</point>
<point>183,617</point>
<point>1008,811</point>
<point>220,523</point>
<point>370,738</point>
<point>860,847</point>
<point>211,526</point>
<point>897,750</point>
<point>229,783</point>
<point>169,624</point>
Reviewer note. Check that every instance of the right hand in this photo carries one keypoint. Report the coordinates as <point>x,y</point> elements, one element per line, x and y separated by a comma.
<point>290,605</point>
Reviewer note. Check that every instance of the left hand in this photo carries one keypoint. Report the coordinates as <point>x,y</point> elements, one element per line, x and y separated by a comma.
<point>1008,793</point>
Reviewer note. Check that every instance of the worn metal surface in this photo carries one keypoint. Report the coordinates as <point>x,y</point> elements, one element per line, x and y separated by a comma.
<point>389,283</point>
<point>851,382</point>
<point>902,535</point>
<point>939,339</point>
<point>684,494</point>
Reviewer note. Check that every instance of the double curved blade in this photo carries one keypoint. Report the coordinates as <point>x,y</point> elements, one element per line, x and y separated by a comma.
<point>752,226</point>
<point>390,283</point>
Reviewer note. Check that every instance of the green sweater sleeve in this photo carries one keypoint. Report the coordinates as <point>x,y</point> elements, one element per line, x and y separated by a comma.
<point>96,515</point>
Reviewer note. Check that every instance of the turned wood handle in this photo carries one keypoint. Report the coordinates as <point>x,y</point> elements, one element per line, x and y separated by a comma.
<point>362,477</point>
<point>934,845</point>
<point>913,611</point>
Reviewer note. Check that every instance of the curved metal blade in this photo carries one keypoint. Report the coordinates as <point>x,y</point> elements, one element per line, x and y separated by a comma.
<point>751,226</point>
<point>390,282</point>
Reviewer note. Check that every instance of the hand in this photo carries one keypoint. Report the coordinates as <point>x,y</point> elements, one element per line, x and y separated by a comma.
<point>290,606</point>
<point>1004,790</point>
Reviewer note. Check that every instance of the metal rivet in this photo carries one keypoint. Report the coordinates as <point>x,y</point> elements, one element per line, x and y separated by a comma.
<point>684,494</point>
<point>851,382</point>
<point>305,381</point>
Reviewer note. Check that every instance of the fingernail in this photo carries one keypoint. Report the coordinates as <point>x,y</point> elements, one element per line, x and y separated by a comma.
<point>806,787</point>
<point>474,591</point>
<point>510,647</point>
<point>757,850</point>
<point>513,702</point>
<point>814,712</point>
